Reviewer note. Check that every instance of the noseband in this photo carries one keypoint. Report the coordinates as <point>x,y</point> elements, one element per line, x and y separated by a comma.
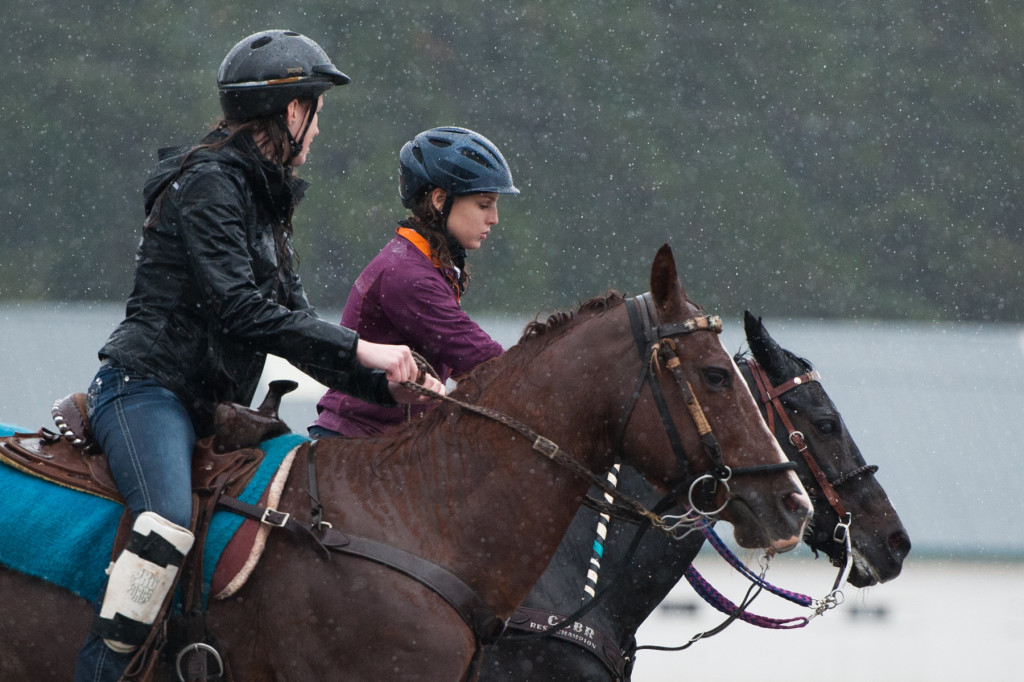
<point>657,342</point>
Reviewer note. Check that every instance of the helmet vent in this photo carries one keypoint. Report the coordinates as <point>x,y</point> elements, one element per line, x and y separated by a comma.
<point>438,142</point>
<point>260,42</point>
<point>456,170</point>
<point>473,155</point>
<point>418,153</point>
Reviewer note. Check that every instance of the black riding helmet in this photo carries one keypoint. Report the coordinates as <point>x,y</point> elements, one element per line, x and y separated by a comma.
<point>457,160</point>
<point>264,72</point>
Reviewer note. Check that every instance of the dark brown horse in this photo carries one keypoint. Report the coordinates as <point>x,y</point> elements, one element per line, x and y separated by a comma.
<point>470,494</point>
<point>629,594</point>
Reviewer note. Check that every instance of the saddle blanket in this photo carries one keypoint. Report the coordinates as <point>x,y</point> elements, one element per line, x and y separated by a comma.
<point>65,536</point>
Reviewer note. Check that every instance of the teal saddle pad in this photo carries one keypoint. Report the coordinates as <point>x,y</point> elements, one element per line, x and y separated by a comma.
<point>65,536</point>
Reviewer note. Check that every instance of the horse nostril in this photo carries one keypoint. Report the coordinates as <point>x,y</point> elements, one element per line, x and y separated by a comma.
<point>793,502</point>
<point>899,543</point>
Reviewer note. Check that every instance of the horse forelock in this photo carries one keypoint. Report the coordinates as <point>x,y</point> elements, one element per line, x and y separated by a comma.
<point>803,362</point>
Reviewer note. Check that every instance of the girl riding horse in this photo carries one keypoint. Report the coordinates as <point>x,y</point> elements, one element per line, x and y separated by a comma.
<point>450,179</point>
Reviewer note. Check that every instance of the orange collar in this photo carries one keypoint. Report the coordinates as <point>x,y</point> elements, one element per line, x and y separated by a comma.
<point>420,242</point>
<point>417,240</point>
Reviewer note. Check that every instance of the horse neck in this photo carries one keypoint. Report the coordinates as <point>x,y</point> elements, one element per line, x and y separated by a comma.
<point>627,594</point>
<point>471,493</point>
<point>552,390</point>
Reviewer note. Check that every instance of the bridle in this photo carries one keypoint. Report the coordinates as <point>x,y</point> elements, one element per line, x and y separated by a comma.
<point>769,396</point>
<point>657,342</point>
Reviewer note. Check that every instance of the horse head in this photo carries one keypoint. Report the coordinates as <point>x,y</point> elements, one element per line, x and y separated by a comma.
<point>831,466</point>
<point>693,409</point>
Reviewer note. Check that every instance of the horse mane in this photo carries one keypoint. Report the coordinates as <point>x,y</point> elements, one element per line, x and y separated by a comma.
<point>560,321</point>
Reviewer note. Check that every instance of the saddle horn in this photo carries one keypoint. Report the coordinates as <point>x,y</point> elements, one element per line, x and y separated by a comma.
<point>237,426</point>
<point>275,391</point>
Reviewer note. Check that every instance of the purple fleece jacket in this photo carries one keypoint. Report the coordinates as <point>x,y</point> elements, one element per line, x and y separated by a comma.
<point>402,298</point>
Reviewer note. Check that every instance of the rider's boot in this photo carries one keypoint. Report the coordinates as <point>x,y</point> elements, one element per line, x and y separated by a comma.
<point>140,580</point>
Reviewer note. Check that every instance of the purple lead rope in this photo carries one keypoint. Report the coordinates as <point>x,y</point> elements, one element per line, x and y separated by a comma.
<point>720,602</point>
<point>734,561</point>
<point>723,604</point>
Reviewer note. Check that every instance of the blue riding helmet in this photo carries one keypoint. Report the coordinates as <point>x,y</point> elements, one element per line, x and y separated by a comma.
<point>457,160</point>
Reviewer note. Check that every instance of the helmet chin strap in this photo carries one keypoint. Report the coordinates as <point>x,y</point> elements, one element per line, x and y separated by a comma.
<point>457,250</point>
<point>446,210</point>
<point>295,145</point>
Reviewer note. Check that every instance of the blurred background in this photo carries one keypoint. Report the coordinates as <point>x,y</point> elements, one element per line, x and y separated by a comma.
<point>848,171</point>
<point>842,159</point>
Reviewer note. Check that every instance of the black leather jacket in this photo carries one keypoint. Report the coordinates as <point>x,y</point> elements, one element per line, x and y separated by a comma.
<point>215,291</point>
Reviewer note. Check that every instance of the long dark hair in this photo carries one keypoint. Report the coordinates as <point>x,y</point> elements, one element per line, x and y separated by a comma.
<point>429,222</point>
<point>226,132</point>
<point>276,146</point>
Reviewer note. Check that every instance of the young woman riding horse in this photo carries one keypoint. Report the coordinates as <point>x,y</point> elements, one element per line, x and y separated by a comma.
<point>602,644</point>
<point>215,291</point>
<point>450,179</point>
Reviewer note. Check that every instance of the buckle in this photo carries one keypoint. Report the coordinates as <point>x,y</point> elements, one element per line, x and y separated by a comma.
<point>545,447</point>
<point>275,518</point>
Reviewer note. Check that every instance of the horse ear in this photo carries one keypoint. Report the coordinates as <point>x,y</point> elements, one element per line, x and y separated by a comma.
<point>666,288</point>
<point>767,353</point>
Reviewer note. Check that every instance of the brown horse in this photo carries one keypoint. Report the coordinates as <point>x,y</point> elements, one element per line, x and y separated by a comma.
<point>470,494</point>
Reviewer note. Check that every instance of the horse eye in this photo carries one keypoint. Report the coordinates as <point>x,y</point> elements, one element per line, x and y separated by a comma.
<point>827,427</point>
<point>717,377</point>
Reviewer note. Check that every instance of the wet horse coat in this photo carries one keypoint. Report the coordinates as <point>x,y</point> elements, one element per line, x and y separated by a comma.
<point>466,493</point>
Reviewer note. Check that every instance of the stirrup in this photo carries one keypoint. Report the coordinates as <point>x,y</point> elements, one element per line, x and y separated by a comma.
<point>200,649</point>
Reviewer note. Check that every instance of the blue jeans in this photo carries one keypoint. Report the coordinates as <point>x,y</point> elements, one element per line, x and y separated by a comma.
<point>148,437</point>
<point>317,432</point>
